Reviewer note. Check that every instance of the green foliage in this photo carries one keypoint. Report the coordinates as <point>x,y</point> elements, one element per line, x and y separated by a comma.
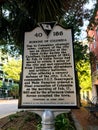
<point>13,116</point>
<point>14,91</point>
<point>39,126</point>
<point>1,83</point>
<point>63,122</point>
<point>80,52</point>
<point>84,74</point>
<point>12,69</point>
<point>29,117</point>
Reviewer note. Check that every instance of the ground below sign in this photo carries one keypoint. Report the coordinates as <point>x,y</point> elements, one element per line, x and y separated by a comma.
<point>48,78</point>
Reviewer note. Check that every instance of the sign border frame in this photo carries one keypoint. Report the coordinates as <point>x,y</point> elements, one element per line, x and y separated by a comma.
<point>46,106</point>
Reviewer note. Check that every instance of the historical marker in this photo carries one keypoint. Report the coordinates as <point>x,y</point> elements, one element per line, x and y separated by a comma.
<point>48,77</point>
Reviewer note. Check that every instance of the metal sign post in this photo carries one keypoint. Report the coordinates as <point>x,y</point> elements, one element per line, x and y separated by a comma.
<point>48,120</point>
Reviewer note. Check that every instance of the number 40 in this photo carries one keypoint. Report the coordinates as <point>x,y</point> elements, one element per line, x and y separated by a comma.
<point>38,34</point>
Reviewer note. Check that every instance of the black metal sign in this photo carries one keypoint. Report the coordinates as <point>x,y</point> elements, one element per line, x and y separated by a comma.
<point>48,77</point>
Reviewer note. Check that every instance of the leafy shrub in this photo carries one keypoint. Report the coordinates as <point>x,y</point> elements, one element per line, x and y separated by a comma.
<point>14,91</point>
<point>64,121</point>
<point>13,116</point>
